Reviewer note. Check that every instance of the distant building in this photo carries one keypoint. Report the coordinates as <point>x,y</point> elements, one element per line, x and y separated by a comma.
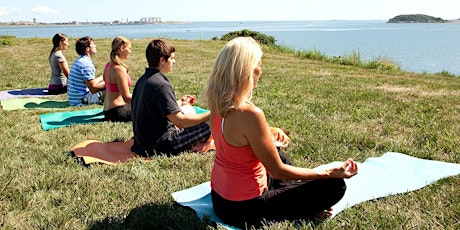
<point>150,20</point>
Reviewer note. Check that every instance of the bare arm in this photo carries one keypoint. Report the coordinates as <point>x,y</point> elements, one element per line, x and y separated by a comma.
<point>188,120</point>
<point>95,85</point>
<point>64,68</point>
<point>121,77</point>
<point>255,130</point>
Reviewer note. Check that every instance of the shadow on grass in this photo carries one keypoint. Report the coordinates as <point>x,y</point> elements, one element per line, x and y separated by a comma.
<point>47,105</point>
<point>155,216</point>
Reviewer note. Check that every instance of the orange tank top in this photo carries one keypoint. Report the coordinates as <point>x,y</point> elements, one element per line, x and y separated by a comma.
<point>237,173</point>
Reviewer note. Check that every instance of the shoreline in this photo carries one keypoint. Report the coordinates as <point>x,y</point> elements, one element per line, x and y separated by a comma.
<point>31,24</point>
<point>347,33</point>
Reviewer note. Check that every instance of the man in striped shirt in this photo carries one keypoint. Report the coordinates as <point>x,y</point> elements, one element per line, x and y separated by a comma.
<point>83,87</point>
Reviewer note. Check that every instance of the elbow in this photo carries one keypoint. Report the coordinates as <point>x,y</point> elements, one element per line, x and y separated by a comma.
<point>180,125</point>
<point>280,172</point>
<point>277,174</point>
<point>127,99</point>
<point>93,90</point>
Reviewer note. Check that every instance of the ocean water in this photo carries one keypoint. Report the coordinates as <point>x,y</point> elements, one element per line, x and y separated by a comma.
<point>415,47</point>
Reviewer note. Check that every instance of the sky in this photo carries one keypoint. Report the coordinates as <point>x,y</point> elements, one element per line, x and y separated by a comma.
<point>49,11</point>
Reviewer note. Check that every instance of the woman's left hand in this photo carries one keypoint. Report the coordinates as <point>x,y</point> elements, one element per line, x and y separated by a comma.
<point>188,99</point>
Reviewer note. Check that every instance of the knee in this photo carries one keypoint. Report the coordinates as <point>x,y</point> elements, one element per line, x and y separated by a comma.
<point>339,186</point>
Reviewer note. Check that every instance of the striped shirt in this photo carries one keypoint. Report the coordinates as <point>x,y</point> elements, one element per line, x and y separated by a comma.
<point>82,69</point>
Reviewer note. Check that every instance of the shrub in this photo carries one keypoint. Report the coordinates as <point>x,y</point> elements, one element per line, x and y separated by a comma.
<point>260,37</point>
<point>6,40</point>
<point>446,73</point>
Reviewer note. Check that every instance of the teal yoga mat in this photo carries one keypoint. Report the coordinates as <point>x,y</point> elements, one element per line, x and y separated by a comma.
<point>199,110</point>
<point>62,119</point>
<point>33,103</point>
<point>392,173</point>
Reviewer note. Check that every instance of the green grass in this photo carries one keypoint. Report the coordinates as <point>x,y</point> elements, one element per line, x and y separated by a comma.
<point>332,111</point>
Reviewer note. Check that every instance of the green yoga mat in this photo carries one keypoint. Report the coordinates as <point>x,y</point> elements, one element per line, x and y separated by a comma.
<point>63,119</point>
<point>33,103</point>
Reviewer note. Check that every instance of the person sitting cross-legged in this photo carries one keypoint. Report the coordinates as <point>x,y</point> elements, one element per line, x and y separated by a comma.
<point>83,87</point>
<point>159,124</point>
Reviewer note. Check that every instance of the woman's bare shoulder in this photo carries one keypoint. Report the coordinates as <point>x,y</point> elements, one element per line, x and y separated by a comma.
<point>119,68</point>
<point>251,113</point>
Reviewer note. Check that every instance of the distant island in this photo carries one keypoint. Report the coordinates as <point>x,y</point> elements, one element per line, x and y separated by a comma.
<point>416,18</point>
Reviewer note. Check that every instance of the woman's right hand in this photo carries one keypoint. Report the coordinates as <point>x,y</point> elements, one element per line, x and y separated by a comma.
<point>348,169</point>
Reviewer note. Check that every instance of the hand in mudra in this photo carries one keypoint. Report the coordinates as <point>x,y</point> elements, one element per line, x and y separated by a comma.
<point>348,169</point>
<point>280,138</point>
<point>188,99</point>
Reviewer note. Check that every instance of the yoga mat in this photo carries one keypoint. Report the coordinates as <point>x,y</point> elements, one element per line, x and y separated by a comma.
<point>32,103</point>
<point>17,93</point>
<point>199,199</point>
<point>392,173</point>
<point>112,153</point>
<point>199,110</point>
<point>62,119</point>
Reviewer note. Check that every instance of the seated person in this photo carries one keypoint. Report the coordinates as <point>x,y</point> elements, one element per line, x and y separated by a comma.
<point>83,87</point>
<point>117,101</point>
<point>251,179</point>
<point>159,124</point>
<point>58,65</point>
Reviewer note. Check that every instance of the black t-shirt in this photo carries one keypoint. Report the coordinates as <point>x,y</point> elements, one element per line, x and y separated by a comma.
<point>152,100</point>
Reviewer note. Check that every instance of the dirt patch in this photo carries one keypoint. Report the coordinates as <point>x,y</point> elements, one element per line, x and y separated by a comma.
<point>416,91</point>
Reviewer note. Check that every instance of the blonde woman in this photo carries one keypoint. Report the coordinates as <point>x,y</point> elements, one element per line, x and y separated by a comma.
<point>117,101</point>
<point>252,180</point>
<point>58,65</point>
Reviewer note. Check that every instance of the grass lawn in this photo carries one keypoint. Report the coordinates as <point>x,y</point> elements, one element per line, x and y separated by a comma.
<point>331,111</point>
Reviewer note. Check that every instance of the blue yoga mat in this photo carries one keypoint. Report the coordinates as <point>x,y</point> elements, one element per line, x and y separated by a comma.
<point>18,93</point>
<point>392,173</point>
<point>62,119</point>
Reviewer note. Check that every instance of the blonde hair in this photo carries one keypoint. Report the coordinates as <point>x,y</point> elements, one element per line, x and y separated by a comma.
<point>231,81</point>
<point>117,43</point>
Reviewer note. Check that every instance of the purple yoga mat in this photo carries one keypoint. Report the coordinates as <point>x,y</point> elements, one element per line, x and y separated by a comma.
<point>17,93</point>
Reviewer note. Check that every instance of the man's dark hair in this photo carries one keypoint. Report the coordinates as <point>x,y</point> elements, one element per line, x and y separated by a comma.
<point>156,49</point>
<point>82,43</point>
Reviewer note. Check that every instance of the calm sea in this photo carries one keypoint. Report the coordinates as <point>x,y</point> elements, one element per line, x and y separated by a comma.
<point>415,47</point>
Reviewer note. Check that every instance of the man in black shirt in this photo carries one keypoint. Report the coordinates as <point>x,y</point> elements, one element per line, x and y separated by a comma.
<point>159,125</point>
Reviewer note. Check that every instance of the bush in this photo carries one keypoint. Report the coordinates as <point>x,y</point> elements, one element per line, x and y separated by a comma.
<point>6,40</point>
<point>446,73</point>
<point>260,37</point>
